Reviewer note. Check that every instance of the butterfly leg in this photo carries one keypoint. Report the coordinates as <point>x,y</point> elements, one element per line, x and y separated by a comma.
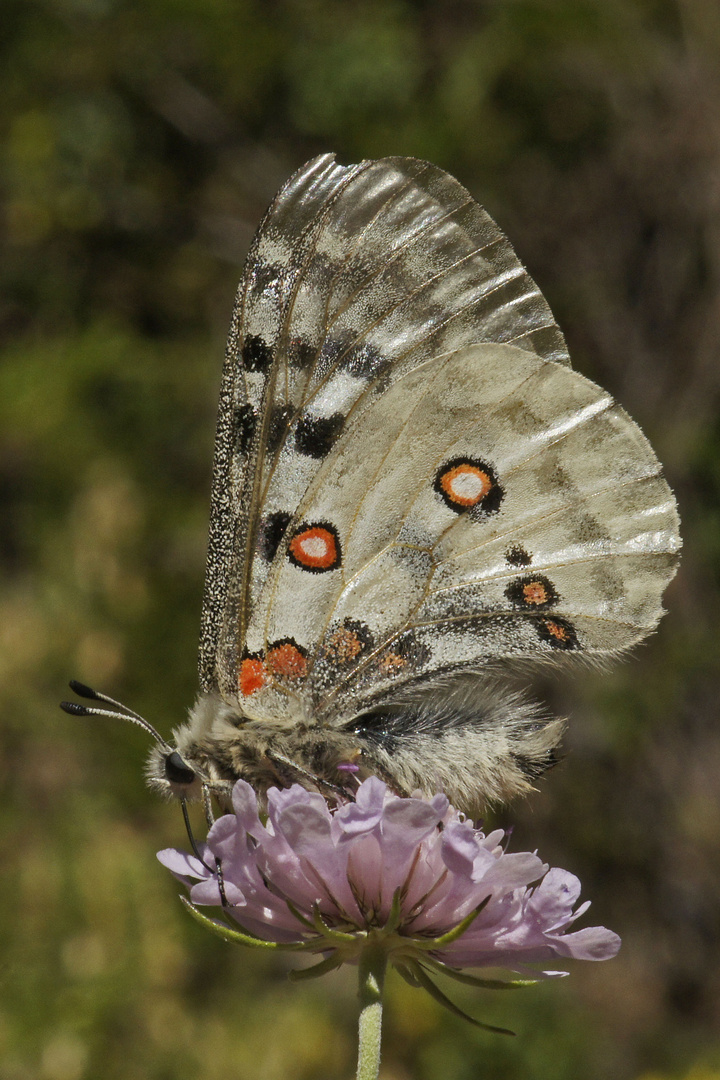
<point>210,819</point>
<point>326,785</point>
<point>207,806</point>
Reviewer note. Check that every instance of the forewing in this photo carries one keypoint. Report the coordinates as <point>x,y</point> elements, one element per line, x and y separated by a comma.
<point>357,278</point>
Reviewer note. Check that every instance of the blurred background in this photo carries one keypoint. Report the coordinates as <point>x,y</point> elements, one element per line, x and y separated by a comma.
<point>141,143</point>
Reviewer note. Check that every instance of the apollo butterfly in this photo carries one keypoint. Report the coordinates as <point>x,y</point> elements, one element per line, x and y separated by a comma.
<point>414,498</point>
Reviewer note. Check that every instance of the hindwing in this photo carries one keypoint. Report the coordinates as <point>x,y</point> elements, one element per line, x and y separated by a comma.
<point>409,477</point>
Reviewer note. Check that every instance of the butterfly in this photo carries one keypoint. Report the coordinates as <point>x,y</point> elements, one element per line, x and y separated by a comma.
<point>415,501</point>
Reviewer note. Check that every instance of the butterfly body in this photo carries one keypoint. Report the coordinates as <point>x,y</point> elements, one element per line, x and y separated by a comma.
<point>415,498</point>
<point>454,737</point>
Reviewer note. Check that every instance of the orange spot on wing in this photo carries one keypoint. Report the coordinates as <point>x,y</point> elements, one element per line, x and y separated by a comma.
<point>535,592</point>
<point>558,633</point>
<point>287,660</point>
<point>391,663</point>
<point>253,675</point>
<point>465,484</point>
<point>344,645</point>
<point>315,548</point>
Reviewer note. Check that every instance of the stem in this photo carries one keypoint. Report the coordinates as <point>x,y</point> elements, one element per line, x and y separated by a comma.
<point>372,964</point>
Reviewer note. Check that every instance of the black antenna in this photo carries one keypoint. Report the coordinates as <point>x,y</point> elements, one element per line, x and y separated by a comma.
<point>74,708</point>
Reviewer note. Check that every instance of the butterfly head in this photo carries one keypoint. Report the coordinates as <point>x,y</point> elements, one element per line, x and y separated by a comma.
<point>170,774</point>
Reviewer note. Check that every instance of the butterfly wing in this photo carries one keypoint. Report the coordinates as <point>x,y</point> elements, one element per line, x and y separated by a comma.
<point>357,280</point>
<point>489,507</point>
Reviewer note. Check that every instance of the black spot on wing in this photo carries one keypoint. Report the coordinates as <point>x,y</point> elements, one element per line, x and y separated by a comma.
<point>518,556</point>
<point>277,428</point>
<point>244,424</point>
<point>268,276</point>
<point>272,529</point>
<point>364,361</point>
<point>301,354</point>
<point>315,435</point>
<point>256,354</point>
<point>358,358</point>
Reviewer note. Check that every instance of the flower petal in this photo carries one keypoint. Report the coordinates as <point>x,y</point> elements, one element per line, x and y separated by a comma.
<point>366,812</point>
<point>592,943</point>
<point>184,865</point>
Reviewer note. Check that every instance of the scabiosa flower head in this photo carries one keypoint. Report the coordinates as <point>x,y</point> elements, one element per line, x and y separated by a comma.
<point>408,876</point>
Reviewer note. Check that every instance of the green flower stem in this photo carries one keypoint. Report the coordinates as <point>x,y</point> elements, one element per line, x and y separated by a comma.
<point>372,965</point>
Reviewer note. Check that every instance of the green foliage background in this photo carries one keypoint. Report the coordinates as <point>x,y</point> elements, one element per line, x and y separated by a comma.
<point>141,142</point>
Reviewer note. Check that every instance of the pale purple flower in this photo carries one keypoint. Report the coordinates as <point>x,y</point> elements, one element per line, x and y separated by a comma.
<point>409,874</point>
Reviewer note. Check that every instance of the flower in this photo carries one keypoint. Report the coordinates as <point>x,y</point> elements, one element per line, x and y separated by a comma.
<point>410,877</point>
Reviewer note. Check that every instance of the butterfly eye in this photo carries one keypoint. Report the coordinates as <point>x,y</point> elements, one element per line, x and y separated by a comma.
<point>176,771</point>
